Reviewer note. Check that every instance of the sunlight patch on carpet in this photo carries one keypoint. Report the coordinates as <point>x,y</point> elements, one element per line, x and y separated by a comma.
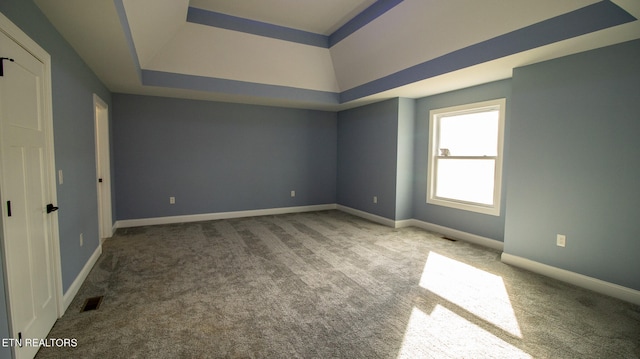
<point>481,293</point>
<point>444,334</point>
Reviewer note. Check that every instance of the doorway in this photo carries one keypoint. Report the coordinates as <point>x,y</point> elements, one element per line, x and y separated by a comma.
<point>103,167</point>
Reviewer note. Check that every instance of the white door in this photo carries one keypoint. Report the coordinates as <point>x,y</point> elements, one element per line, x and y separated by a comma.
<point>25,190</point>
<point>103,167</point>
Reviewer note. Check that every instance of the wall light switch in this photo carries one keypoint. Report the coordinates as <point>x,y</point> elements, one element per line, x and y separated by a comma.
<point>375,199</point>
<point>561,240</point>
<point>172,200</point>
<point>293,193</point>
<point>60,177</point>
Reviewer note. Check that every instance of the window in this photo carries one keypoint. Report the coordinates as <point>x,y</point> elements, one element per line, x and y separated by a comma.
<point>465,159</point>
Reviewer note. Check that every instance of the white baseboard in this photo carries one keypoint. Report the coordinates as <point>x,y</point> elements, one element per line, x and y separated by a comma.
<point>596,285</point>
<point>449,232</point>
<point>77,283</point>
<point>113,231</point>
<point>405,223</point>
<point>372,217</point>
<point>220,215</point>
<point>457,234</point>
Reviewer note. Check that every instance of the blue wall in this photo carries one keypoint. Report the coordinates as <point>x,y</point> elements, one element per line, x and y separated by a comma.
<point>73,85</point>
<point>481,224</point>
<point>219,157</point>
<point>574,164</point>
<point>367,158</point>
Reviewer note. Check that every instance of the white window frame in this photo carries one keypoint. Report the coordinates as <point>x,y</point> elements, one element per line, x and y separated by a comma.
<point>434,153</point>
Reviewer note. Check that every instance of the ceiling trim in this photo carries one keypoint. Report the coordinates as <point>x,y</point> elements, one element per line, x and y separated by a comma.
<point>235,23</point>
<point>369,14</point>
<point>588,19</point>
<point>235,87</point>
<point>229,22</point>
<point>124,22</point>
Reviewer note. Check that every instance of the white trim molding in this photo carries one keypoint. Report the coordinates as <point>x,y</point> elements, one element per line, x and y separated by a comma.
<point>449,232</point>
<point>77,283</point>
<point>457,234</point>
<point>438,154</point>
<point>404,223</point>
<point>596,285</point>
<point>21,38</point>
<point>103,166</point>
<point>366,215</point>
<point>127,223</point>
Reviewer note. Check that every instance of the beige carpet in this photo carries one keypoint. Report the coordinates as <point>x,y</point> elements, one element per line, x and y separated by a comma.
<point>329,285</point>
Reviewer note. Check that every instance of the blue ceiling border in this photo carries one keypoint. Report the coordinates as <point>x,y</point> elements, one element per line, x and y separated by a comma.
<point>369,14</point>
<point>124,21</point>
<point>598,16</point>
<point>235,87</point>
<point>588,19</point>
<point>229,22</point>
<point>224,21</point>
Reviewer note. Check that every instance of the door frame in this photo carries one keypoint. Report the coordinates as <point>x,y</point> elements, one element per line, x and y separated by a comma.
<point>103,167</point>
<point>23,40</point>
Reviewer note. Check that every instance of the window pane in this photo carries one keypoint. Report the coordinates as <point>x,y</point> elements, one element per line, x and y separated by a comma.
<point>472,134</point>
<point>466,180</point>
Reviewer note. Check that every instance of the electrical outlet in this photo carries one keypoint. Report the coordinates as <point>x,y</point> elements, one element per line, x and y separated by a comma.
<point>561,240</point>
<point>293,193</point>
<point>81,239</point>
<point>375,199</point>
<point>172,200</point>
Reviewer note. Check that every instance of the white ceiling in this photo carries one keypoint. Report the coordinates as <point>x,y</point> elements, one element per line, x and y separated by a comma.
<point>411,50</point>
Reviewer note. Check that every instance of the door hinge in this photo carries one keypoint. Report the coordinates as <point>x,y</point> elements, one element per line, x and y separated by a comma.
<point>20,339</point>
<point>8,208</point>
<point>51,208</point>
<point>2,64</point>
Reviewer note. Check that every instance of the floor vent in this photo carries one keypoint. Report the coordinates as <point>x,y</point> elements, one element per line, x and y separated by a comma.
<point>91,304</point>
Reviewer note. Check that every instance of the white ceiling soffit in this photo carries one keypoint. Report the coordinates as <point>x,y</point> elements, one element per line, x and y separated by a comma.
<point>350,53</point>
<point>152,23</point>
<point>320,17</point>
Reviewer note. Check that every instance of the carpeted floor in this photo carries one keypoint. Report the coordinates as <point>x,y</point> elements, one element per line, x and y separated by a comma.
<point>329,285</point>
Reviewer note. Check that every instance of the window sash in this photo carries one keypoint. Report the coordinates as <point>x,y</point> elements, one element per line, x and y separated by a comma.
<point>471,133</point>
<point>473,184</point>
